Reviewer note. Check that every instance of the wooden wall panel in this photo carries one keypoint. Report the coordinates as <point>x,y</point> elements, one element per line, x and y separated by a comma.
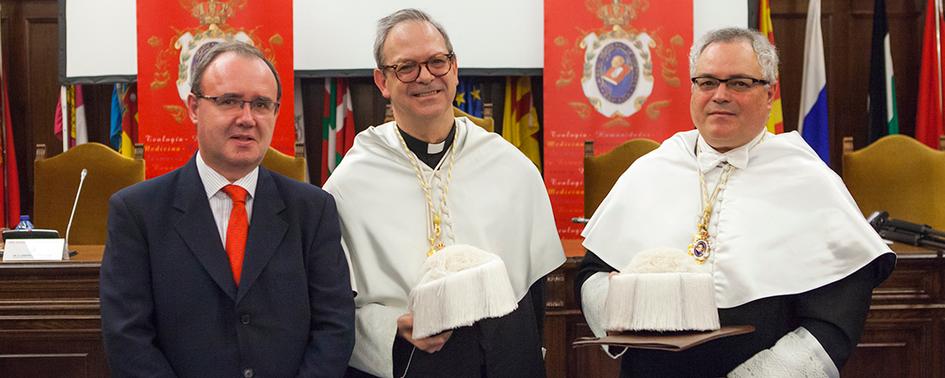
<point>897,342</point>
<point>32,34</point>
<point>847,27</point>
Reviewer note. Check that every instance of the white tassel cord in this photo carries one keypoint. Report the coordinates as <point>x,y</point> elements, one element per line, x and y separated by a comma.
<point>661,302</point>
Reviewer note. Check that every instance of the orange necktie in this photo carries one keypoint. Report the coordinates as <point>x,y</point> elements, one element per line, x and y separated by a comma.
<point>236,230</point>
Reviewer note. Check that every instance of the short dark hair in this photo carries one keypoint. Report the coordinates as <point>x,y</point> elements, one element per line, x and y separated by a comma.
<point>209,52</point>
<point>385,25</point>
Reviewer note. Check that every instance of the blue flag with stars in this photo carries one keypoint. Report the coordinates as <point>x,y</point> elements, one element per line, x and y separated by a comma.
<point>468,97</point>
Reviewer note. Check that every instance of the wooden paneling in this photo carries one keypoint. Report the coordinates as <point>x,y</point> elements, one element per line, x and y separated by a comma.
<point>49,319</point>
<point>899,341</point>
<point>847,28</point>
<point>30,40</point>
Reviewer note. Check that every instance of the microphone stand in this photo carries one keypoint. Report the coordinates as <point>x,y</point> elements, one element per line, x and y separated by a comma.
<point>65,245</point>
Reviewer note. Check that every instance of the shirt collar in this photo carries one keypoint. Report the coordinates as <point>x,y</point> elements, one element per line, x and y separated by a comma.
<point>214,181</point>
<point>708,158</point>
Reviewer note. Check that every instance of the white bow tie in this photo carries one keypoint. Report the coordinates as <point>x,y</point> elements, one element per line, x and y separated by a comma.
<point>709,159</point>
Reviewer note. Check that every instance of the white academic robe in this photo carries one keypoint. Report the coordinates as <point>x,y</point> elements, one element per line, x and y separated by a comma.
<point>496,201</point>
<point>784,223</point>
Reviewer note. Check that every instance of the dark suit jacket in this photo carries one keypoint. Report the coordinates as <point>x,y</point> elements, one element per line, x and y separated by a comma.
<point>170,305</point>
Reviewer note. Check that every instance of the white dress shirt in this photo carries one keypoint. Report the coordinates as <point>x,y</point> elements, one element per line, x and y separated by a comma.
<point>220,203</point>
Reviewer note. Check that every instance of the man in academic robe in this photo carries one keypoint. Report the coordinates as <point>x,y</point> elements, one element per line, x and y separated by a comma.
<point>789,251</point>
<point>428,180</point>
<point>223,268</point>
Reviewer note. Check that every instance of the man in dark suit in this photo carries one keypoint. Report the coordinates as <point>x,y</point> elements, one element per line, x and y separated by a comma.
<point>221,267</point>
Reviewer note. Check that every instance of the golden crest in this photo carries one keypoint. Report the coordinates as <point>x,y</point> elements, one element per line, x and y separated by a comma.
<point>625,90</point>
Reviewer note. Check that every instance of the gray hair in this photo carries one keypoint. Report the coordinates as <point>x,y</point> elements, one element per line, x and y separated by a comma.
<point>385,25</point>
<point>210,51</point>
<point>765,52</point>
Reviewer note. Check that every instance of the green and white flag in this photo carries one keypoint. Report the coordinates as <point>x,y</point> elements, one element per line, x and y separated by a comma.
<point>883,116</point>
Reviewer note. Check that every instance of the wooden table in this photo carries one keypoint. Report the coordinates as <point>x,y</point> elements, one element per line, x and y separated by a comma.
<point>49,317</point>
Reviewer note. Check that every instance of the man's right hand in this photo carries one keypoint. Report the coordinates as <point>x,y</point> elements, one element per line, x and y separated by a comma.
<point>430,344</point>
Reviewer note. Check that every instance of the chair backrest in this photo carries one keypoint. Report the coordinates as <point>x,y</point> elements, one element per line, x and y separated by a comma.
<point>601,172</point>
<point>289,166</point>
<point>900,175</point>
<point>486,122</point>
<point>55,181</point>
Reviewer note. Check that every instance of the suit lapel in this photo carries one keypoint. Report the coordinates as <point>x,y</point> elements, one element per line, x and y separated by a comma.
<point>266,230</point>
<point>198,229</point>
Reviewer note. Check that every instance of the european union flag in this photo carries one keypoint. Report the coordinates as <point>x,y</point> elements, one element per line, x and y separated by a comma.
<point>468,97</point>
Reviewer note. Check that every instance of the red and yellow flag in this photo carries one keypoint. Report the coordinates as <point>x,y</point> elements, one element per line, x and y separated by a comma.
<point>776,119</point>
<point>520,119</point>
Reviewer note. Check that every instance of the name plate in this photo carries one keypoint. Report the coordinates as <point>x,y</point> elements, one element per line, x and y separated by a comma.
<point>34,249</point>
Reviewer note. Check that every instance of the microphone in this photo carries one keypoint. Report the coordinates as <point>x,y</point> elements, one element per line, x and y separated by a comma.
<point>878,219</point>
<point>905,231</point>
<point>78,191</point>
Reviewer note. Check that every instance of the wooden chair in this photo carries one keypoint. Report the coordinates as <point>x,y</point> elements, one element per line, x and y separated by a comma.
<point>601,172</point>
<point>486,122</point>
<point>289,166</point>
<point>900,175</point>
<point>55,181</point>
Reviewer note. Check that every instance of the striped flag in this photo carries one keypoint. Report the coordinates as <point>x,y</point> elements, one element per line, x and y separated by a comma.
<point>776,118</point>
<point>337,125</point>
<point>812,123</point>
<point>124,119</point>
<point>520,119</point>
<point>881,103</point>
<point>930,117</point>
<point>70,116</point>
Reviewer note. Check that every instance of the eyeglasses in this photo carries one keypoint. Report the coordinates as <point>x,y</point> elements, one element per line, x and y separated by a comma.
<point>231,104</point>
<point>409,71</point>
<point>736,84</point>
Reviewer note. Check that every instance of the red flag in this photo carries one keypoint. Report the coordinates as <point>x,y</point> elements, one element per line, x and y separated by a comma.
<point>10,188</point>
<point>929,119</point>
<point>337,125</point>
<point>775,123</point>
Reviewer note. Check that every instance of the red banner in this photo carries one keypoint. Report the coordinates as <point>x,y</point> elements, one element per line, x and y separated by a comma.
<point>169,33</point>
<point>614,71</point>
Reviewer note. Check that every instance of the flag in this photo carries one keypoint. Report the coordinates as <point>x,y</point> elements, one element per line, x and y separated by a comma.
<point>812,123</point>
<point>114,134</point>
<point>469,97</point>
<point>70,115</point>
<point>10,188</point>
<point>337,125</point>
<point>881,103</point>
<point>520,119</point>
<point>930,119</point>
<point>124,119</point>
<point>776,118</point>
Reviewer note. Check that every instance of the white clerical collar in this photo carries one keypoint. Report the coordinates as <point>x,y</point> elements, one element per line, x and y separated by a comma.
<point>435,148</point>
<point>709,158</point>
<point>213,181</point>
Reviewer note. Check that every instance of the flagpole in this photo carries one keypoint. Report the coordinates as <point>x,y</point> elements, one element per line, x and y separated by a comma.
<point>938,52</point>
<point>3,150</point>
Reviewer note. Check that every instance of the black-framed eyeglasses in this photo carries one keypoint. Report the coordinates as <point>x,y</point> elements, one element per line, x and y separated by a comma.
<point>409,71</point>
<point>737,84</point>
<point>232,104</point>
